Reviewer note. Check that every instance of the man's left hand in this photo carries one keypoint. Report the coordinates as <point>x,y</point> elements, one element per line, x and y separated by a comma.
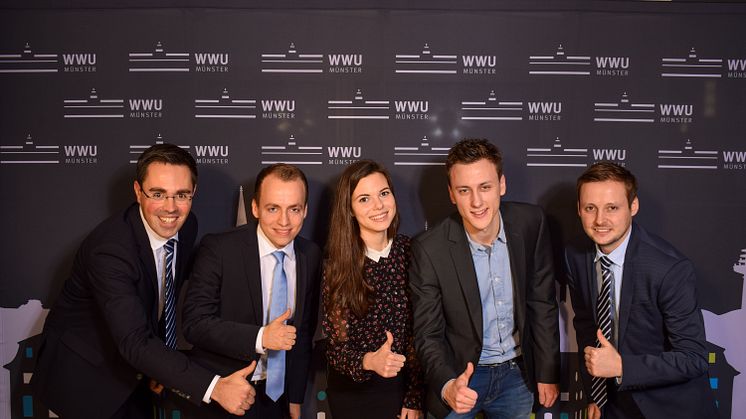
<point>604,361</point>
<point>547,394</point>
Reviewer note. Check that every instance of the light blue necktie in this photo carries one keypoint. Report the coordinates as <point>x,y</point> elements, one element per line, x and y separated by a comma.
<point>278,305</point>
<point>169,304</point>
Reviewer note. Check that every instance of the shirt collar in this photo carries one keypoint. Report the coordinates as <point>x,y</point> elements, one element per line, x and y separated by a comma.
<point>501,237</point>
<point>617,255</point>
<point>267,248</point>
<point>156,241</point>
<point>376,255</point>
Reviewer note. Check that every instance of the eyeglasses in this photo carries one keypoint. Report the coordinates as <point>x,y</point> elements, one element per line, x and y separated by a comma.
<point>179,198</point>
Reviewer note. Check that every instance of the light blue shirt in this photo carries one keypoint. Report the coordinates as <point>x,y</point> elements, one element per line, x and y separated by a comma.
<point>500,338</point>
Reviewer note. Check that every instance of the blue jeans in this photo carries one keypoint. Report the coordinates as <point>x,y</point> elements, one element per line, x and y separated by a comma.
<point>502,393</point>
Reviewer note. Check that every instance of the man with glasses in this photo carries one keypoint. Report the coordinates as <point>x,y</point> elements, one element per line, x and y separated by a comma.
<point>110,340</point>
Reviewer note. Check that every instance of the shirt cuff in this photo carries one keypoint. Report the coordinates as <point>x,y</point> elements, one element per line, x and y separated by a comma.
<point>443,390</point>
<point>258,345</point>
<point>208,393</point>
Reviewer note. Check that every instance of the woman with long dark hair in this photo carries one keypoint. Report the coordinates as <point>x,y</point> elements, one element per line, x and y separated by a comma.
<point>373,372</point>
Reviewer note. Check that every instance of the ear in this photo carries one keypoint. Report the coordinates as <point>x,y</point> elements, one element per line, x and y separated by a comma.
<point>254,209</point>
<point>305,211</point>
<point>635,206</point>
<point>450,195</point>
<point>503,185</point>
<point>138,191</point>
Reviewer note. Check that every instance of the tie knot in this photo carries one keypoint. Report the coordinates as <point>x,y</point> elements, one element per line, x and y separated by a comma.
<point>605,262</point>
<point>169,246</point>
<point>279,255</point>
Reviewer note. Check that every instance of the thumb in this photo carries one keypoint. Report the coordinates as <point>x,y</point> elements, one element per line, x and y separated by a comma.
<point>466,375</point>
<point>389,341</point>
<point>245,372</point>
<point>284,316</point>
<point>602,339</point>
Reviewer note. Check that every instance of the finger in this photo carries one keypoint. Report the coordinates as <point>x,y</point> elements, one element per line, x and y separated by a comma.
<point>467,372</point>
<point>602,339</point>
<point>248,370</point>
<point>389,340</point>
<point>284,316</point>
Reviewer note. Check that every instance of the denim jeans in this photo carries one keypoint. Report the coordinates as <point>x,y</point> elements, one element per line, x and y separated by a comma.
<point>502,393</point>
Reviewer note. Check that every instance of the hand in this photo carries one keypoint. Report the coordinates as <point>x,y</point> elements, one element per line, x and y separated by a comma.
<point>410,414</point>
<point>594,412</point>
<point>155,387</point>
<point>547,394</point>
<point>234,392</point>
<point>384,362</point>
<point>458,395</point>
<point>604,361</point>
<point>294,410</point>
<point>278,336</point>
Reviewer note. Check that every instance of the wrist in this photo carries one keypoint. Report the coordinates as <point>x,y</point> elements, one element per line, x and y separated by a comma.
<point>366,361</point>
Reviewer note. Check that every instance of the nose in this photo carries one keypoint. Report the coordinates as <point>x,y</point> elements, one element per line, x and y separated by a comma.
<point>377,202</point>
<point>600,217</point>
<point>170,203</point>
<point>476,200</point>
<point>284,218</point>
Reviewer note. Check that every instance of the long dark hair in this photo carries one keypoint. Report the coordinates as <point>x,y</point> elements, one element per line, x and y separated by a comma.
<point>345,249</point>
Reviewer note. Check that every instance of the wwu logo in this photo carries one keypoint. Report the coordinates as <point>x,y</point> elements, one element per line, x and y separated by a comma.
<point>734,156</point>
<point>411,106</point>
<point>81,150</point>
<point>204,58</point>
<point>479,60</point>
<point>146,105</point>
<point>278,105</point>
<point>737,65</point>
<point>211,150</point>
<point>676,110</point>
<point>79,59</point>
<point>345,60</point>
<point>609,154</point>
<point>344,152</point>
<point>545,107</point>
<point>612,62</point>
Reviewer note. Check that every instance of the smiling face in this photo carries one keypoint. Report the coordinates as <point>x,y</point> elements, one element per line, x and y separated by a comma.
<point>605,213</point>
<point>281,209</point>
<point>476,189</point>
<point>374,208</point>
<point>165,217</point>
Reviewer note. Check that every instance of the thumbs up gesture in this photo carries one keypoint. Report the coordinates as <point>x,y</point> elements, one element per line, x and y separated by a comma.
<point>277,335</point>
<point>234,392</point>
<point>457,393</point>
<point>603,361</point>
<point>384,362</point>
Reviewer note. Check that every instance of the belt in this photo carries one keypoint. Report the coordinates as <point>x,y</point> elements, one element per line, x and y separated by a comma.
<point>515,360</point>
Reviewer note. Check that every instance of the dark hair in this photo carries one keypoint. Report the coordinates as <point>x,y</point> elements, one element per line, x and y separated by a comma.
<point>286,173</point>
<point>168,154</point>
<point>472,150</point>
<point>345,249</point>
<point>606,170</point>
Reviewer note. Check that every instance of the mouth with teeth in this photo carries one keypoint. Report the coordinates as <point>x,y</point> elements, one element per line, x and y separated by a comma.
<point>168,220</point>
<point>379,217</point>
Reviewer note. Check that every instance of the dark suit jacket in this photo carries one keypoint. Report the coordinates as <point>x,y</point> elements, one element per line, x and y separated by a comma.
<point>223,306</point>
<point>661,332</point>
<point>448,308</point>
<point>101,337</point>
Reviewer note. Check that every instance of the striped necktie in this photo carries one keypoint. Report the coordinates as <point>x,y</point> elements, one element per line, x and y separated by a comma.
<point>603,312</point>
<point>169,304</point>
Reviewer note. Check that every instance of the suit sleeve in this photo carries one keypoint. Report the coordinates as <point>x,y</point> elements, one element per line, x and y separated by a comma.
<point>585,326</point>
<point>685,354</point>
<point>541,310</point>
<point>429,322</point>
<point>114,274</point>
<point>203,325</point>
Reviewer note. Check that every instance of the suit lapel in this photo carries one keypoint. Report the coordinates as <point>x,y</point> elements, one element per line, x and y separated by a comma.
<point>467,276</point>
<point>253,272</point>
<point>301,273</point>
<point>628,282</point>
<point>517,256</point>
<point>147,261</point>
<point>592,276</point>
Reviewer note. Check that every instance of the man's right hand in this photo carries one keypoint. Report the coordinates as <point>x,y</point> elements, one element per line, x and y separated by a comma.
<point>278,336</point>
<point>594,412</point>
<point>457,393</point>
<point>384,362</point>
<point>234,392</point>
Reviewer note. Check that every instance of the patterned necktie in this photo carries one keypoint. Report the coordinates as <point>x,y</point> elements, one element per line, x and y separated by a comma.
<point>278,305</point>
<point>603,311</point>
<point>169,304</point>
